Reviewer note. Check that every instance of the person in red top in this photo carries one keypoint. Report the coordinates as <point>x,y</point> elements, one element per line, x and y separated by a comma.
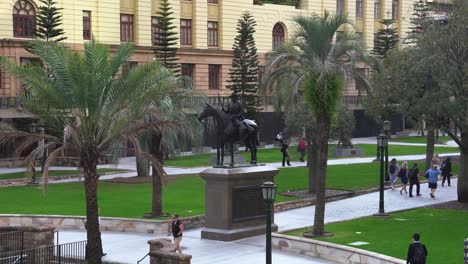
<point>301,148</point>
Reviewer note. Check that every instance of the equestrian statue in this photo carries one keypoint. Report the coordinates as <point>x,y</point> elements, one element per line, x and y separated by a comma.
<point>232,127</point>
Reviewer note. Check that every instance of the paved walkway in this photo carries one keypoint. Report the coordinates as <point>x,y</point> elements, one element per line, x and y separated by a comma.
<point>128,247</point>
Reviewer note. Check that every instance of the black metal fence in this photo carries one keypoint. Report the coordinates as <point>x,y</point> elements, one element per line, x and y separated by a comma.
<point>70,253</point>
<point>9,102</point>
<point>11,241</point>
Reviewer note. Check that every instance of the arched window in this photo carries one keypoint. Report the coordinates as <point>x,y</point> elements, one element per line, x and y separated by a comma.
<point>278,35</point>
<point>24,19</point>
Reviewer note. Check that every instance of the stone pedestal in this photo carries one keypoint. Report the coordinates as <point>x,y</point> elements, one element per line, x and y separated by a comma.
<point>234,206</point>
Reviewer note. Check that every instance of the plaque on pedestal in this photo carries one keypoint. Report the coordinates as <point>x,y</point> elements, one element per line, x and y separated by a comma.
<point>234,206</point>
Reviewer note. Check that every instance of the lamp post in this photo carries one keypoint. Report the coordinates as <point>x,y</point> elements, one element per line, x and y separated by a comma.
<point>382,143</point>
<point>386,129</point>
<point>268,193</point>
<point>33,130</point>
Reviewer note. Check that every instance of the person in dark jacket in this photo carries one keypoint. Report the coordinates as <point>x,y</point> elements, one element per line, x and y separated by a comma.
<point>417,251</point>
<point>413,176</point>
<point>284,150</point>
<point>446,171</point>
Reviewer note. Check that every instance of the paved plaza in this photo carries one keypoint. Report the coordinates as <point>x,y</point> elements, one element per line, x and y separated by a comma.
<point>129,247</point>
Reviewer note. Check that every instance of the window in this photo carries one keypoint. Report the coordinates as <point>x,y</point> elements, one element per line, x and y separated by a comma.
<point>213,1</point>
<point>340,7</point>
<point>278,35</point>
<point>86,24</point>
<point>212,34</point>
<point>185,32</point>
<point>359,8</point>
<point>155,30</point>
<point>377,9</point>
<point>395,9</point>
<point>126,27</point>
<point>213,77</point>
<point>188,69</point>
<point>24,19</point>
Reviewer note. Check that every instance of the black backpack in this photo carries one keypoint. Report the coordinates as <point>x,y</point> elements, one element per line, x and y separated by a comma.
<point>419,256</point>
<point>392,168</point>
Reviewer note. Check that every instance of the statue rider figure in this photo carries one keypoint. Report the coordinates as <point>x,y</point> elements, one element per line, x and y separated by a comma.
<point>236,112</point>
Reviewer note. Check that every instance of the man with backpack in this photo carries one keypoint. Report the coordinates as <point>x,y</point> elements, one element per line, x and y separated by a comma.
<point>417,252</point>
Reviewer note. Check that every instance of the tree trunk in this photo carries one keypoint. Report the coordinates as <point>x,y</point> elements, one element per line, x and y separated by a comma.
<point>462,188</point>
<point>323,133</point>
<point>312,159</point>
<point>157,199</point>
<point>142,167</point>
<point>94,245</point>
<point>429,148</point>
<point>141,163</point>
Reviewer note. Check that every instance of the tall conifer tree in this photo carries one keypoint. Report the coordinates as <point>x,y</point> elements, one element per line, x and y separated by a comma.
<point>165,38</point>
<point>243,75</point>
<point>420,20</point>
<point>49,20</point>
<point>385,39</point>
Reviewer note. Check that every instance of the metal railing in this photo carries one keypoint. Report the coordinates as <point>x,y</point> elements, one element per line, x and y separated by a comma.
<point>11,241</point>
<point>9,102</point>
<point>350,100</point>
<point>70,253</point>
<point>138,262</point>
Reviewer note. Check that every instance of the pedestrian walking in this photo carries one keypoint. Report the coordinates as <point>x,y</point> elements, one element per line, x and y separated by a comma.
<point>417,252</point>
<point>177,228</point>
<point>284,150</point>
<point>301,148</point>
<point>435,160</point>
<point>413,176</point>
<point>432,177</point>
<point>446,171</point>
<point>403,174</point>
<point>393,171</point>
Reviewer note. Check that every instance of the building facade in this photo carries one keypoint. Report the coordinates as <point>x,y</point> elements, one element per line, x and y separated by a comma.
<point>207,30</point>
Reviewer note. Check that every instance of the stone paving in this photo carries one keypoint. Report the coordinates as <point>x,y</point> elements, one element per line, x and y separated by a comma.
<point>128,248</point>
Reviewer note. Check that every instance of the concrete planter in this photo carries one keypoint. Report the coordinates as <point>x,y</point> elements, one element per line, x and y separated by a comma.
<point>402,134</point>
<point>201,150</point>
<point>329,251</point>
<point>348,152</point>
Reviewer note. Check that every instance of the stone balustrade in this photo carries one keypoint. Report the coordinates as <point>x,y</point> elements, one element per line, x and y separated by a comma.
<point>157,227</point>
<point>330,251</point>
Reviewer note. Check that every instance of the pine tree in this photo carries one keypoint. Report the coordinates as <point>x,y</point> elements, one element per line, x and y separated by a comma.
<point>243,75</point>
<point>49,20</point>
<point>385,39</point>
<point>420,20</point>
<point>164,38</point>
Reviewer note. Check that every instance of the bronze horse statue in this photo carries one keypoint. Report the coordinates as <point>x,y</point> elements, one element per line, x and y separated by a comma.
<point>226,132</point>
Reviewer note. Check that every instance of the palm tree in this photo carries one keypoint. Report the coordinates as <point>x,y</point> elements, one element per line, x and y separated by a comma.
<point>88,107</point>
<point>174,112</point>
<point>316,63</point>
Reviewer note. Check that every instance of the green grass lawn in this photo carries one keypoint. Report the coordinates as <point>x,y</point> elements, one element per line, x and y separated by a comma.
<point>53,173</point>
<point>348,177</point>
<point>420,139</point>
<point>184,196</point>
<point>274,154</point>
<point>442,231</point>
